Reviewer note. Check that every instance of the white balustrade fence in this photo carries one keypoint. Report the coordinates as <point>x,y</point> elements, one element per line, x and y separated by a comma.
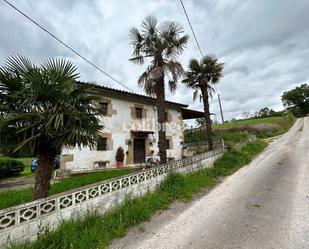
<point>12,219</point>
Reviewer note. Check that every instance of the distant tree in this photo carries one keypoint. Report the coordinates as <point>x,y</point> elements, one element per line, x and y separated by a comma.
<point>297,100</point>
<point>44,109</point>
<point>162,44</point>
<point>265,112</point>
<point>246,115</point>
<point>200,122</point>
<point>185,125</point>
<point>256,114</point>
<point>202,76</point>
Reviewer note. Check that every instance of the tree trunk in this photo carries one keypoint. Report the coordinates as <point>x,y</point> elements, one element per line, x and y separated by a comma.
<point>207,118</point>
<point>160,104</point>
<point>46,155</point>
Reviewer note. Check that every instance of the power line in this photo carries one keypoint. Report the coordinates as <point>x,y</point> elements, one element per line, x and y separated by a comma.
<point>67,46</point>
<point>199,47</point>
<point>191,27</point>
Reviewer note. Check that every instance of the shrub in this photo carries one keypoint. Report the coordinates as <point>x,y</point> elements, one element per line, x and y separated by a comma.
<point>173,185</point>
<point>119,155</point>
<point>10,167</point>
<point>253,148</point>
<point>235,136</point>
<point>232,146</point>
<point>229,162</point>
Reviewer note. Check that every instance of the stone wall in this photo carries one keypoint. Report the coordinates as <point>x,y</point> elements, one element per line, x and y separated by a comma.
<point>25,221</point>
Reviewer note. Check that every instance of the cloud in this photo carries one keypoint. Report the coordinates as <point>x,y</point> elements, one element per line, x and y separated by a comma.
<point>262,43</point>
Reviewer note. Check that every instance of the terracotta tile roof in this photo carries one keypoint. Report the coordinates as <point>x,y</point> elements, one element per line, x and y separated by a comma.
<point>127,93</point>
<point>187,113</point>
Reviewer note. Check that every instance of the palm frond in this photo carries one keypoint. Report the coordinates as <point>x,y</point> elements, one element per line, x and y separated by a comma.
<point>204,74</point>
<point>137,60</point>
<point>149,25</point>
<point>212,68</point>
<point>61,68</point>
<point>170,34</point>
<point>147,83</point>
<point>170,29</point>
<point>175,69</point>
<point>194,65</point>
<point>195,94</point>
<point>172,85</point>
<point>45,103</point>
<point>20,64</point>
<point>161,44</point>
<point>135,36</point>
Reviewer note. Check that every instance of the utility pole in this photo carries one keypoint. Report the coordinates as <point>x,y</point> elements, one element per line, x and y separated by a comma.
<point>221,112</point>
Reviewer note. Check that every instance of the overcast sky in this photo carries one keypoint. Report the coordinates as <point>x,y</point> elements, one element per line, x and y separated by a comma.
<point>263,43</point>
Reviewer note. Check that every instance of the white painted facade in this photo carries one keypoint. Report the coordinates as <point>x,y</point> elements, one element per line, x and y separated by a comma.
<point>119,125</point>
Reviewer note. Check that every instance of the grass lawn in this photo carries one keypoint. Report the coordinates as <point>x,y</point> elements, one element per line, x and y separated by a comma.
<point>16,197</point>
<point>27,170</point>
<point>97,231</point>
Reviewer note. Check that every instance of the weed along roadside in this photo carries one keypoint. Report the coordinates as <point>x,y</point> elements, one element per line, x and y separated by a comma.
<point>97,231</point>
<point>25,221</point>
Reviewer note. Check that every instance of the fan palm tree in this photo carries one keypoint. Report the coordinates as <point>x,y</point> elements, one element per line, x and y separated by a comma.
<point>161,44</point>
<point>43,109</point>
<point>202,76</point>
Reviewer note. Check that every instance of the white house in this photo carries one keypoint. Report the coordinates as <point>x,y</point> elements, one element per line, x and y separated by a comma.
<point>130,122</point>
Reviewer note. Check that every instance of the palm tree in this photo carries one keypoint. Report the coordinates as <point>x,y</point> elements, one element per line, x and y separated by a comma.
<point>161,44</point>
<point>202,76</point>
<point>43,109</point>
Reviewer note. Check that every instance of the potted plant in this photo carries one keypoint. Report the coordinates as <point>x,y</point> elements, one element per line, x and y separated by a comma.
<point>119,157</point>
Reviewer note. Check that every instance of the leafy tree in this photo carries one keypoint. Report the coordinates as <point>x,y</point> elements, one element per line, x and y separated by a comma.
<point>246,115</point>
<point>161,44</point>
<point>201,76</point>
<point>297,100</point>
<point>43,109</point>
<point>265,112</point>
<point>200,122</point>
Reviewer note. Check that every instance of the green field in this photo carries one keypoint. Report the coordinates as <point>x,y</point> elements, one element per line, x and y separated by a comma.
<point>238,131</point>
<point>257,121</point>
<point>16,197</point>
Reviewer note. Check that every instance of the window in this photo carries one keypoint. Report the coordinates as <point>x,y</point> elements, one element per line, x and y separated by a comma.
<point>168,144</point>
<point>104,107</point>
<point>138,112</point>
<point>102,143</point>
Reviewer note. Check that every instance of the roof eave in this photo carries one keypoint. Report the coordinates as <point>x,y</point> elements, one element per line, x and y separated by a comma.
<point>126,93</point>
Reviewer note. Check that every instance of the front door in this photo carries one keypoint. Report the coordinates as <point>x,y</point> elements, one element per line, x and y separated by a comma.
<point>139,150</point>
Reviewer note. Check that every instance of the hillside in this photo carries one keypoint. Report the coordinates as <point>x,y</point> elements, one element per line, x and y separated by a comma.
<point>239,130</point>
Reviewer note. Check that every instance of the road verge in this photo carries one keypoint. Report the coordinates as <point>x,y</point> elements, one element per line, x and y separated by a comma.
<point>97,231</point>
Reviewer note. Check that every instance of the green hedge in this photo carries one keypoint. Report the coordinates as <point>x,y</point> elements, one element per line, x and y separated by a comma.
<point>10,167</point>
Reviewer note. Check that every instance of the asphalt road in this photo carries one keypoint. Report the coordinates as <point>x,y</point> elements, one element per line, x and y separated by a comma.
<point>264,205</point>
